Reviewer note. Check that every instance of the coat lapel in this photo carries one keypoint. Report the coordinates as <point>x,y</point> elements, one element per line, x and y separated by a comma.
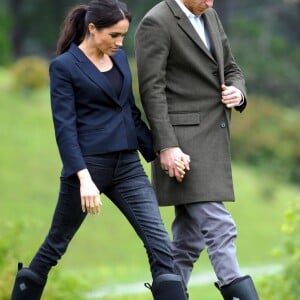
<point>185,24</point>
<point>216,43</point>
<point>217,49</point>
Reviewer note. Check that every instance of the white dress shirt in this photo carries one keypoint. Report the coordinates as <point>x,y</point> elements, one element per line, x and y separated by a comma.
<point>197,22</point>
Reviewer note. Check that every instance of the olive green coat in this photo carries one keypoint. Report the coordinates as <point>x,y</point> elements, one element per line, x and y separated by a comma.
<point>180,87</point>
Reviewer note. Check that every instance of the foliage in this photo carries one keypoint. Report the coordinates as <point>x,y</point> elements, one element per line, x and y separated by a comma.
<point>267,135</point>
<point>286,284</point>
<point>5,46</point>
<point>267,50</point>
<point>30,73</point>
<point>270,62</point>
<point>10,239</point>
<point>61,287</point>
<point>29,180</point>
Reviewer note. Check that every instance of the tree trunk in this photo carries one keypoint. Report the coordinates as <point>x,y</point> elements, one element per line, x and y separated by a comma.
<point>18,28</point>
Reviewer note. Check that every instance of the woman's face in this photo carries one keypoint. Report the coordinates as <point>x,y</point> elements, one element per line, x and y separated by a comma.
<point>198,7</point>
<point>108,40</point>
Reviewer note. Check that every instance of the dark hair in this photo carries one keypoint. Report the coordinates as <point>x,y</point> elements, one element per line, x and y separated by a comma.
<point>102,13</point>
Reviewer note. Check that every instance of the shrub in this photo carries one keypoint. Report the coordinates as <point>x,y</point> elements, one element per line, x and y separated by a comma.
<point>60,287</point>
<point>30,73</point>
<point>10,236</point>
<point>267,135</point>
<point>286,284</point>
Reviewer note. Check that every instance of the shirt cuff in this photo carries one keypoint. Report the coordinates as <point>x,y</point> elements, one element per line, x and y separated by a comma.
<point>164,149</point>
<point>243,99</point>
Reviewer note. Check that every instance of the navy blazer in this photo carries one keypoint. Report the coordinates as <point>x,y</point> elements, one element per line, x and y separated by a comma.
<point>89,118</point>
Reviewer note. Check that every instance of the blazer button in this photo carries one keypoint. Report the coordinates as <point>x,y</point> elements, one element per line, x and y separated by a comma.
<point>118,108</point>
<point>223,125</point>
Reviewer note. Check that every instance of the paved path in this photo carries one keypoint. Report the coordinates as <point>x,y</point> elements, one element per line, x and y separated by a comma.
<point>197,280</point>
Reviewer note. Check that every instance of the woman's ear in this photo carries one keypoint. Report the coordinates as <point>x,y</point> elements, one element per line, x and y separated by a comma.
<point>92,28</point>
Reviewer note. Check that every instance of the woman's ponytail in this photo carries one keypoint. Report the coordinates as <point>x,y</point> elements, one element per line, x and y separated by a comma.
<point>73,30</point>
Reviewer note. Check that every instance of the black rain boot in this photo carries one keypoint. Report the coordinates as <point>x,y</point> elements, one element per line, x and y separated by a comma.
<point>168,287</point>
<point>28,285</point>
<point>240,289</point>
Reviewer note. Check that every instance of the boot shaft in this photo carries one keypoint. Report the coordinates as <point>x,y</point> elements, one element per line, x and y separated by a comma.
<point>28,285</point>
<point>240,289</point>
<point>168,287</point>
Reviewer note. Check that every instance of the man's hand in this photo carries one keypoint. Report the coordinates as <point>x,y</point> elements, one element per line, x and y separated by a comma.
<point>231,96</point>
<point>174,162</point>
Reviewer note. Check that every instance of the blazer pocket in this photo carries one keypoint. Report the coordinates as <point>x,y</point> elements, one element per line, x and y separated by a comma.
<point>90,131</point>
<point>184,118</point>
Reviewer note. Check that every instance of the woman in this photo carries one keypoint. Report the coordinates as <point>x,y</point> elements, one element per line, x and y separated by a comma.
<point>98,131</point>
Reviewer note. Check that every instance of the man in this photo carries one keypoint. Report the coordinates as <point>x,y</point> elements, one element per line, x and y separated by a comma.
<point>189,82</point>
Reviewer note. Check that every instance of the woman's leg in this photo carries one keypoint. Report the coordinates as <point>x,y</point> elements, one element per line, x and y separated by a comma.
<point>133,194</point>
<point>121,177</point>
<point>67,218</point>
<point>30,282</point>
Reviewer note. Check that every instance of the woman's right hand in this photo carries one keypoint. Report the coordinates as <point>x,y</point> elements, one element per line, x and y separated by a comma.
<point>89,193</point>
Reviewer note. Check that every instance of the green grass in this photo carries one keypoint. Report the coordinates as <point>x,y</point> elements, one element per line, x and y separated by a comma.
<point>106,250</point>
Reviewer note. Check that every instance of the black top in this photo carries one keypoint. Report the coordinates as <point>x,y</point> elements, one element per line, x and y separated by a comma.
<point>115,77</point>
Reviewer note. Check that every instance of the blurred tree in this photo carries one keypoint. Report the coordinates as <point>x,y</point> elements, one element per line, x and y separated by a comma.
<point>35,25</point>
<point>265,36</point>
<point>5,45</point>
<point>268,50</point>
<point>289,19</point>
<point>18,27</point>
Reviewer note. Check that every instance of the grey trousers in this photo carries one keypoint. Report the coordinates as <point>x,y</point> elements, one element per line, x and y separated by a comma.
<point>200,225</point>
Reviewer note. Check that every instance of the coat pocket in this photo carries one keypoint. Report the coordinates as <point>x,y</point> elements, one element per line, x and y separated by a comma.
<point>184,118</point>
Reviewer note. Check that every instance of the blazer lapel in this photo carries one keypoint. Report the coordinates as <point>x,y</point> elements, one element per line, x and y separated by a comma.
<point>91,71</point>
<point>125,71</point>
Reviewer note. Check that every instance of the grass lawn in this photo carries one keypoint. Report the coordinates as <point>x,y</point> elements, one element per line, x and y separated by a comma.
<point>106,251</point>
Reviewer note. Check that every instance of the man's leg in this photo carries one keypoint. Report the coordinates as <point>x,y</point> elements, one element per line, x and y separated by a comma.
<point>188,241</point>
<point>200,224</point>
<point>133,194</point>
<point>219,231</point>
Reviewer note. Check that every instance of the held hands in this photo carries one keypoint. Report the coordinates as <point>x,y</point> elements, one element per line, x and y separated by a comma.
<point>231,96</point>
<point>89,194</point>
<point>174,162</point>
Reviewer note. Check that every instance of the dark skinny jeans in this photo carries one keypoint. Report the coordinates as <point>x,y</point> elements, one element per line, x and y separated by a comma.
<point>121,177</point>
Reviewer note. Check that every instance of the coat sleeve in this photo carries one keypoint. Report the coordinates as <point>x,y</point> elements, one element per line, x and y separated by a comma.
<point>144,136</point>
<point>64,118</point>
<point>152,46</point>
